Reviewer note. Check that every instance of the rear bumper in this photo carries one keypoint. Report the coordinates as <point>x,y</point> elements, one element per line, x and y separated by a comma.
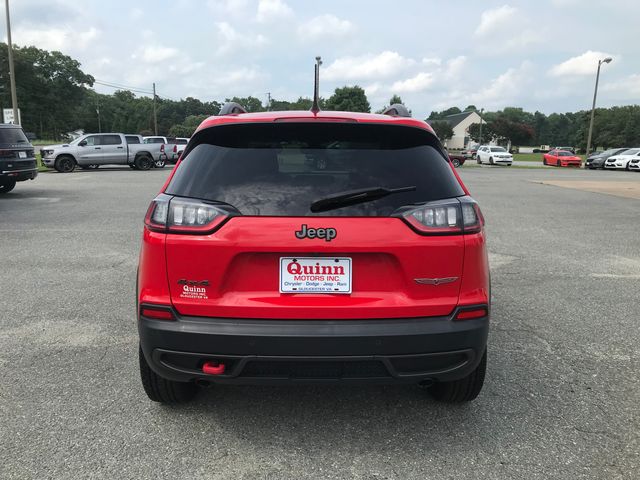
<point>18,170</point>
<point>282,351</point>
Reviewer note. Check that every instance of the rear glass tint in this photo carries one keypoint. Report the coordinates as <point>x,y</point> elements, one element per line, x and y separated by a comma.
<point>12,136</point>
<point>280,169</point>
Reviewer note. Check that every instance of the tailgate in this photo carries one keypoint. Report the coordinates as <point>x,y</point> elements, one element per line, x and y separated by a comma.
<point>236,271</point>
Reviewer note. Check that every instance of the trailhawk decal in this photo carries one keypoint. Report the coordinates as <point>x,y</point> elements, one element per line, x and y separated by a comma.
<point>315,275</point>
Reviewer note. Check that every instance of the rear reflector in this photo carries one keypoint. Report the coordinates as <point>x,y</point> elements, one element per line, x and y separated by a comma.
<point>472,313</point>
<point>157,313</point>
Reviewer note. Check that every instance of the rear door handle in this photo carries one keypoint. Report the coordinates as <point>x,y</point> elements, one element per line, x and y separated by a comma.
<point>97,148</point>
<point>120,148</point>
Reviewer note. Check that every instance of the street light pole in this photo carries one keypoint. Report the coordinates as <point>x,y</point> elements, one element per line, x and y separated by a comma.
<point>12,74</point>
<point>480,135</point>
<point>593,106</point>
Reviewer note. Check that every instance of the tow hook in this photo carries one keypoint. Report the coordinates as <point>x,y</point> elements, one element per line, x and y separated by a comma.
<point>213,368</point>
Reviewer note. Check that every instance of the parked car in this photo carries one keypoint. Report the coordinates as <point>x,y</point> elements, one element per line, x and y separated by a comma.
<point>17,157</point>
<point>168,147</point>
<point>470,152</point>
<point>96,149</point>
<point>561,158</point>
<point>258,266</point>
<point>566,149</point>
<point>181,144</point>
<point>622,160</point>
<point>457,159</point>
<point>634,164</point>
<point>494,156</point>
<point>596,159</point>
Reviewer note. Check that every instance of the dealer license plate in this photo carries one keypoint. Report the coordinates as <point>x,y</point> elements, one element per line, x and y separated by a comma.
<point>22,154</point>
<point>315,275</point>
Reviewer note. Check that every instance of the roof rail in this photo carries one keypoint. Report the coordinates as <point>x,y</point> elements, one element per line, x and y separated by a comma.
<point>231,108</point>
<point>397,110</point>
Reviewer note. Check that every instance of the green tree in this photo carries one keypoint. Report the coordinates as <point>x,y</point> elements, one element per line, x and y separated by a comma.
<point>439,115</point>
<point>487,133</point>
<point>443,129</point>
<point>250,104</point>
<point>348,99</point>
<point>186,128</point>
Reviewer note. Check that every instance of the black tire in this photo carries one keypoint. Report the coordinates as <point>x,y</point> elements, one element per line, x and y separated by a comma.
<point>159,164</point>
<point>490,160</point>
<point>162,390</point>
<point>478,160</point>
<point>544,161</point>
<point>7,185</point>
<point>456,162</point>
<point>65,164</point>
<point>464,389</point>
<point>143,162</point>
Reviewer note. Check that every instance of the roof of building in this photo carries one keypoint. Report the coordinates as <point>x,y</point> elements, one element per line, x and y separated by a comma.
<point>456,118</point>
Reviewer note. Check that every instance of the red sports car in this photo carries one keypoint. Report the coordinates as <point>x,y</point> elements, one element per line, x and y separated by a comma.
<point>296,247</point>
<point>561,158</point>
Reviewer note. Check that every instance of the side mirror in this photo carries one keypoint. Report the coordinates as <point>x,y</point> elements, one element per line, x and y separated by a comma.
<point>83,143</point>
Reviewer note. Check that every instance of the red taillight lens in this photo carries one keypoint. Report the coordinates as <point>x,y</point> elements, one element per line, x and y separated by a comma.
<point>182,215</point>
<point>175,149</point>
<point>162,148</point>
<point>459,215</point>
<point>470,313</point>
<point>157,313</point>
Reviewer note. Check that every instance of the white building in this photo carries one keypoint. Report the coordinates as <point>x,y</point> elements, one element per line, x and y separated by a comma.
<point>460,122</point>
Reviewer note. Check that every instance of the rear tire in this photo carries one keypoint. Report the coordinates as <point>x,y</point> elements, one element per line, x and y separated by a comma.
<point>544,161</point>
<point>478,160</point>
<point>7,185</point>
<point>490,160</point>
<point>162,390</point>
<point>65,164</point>
<point>143,162</point>
<point>464,389</point>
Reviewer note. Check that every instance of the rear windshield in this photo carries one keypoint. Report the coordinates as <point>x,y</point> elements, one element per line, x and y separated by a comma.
<point>132,139</point>
<point>565,154</point>
<point>12,136</point>
<point>154,140</point>
<point>280,169</point>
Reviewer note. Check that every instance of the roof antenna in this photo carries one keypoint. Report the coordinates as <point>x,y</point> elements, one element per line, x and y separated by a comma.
<point>315,108</point>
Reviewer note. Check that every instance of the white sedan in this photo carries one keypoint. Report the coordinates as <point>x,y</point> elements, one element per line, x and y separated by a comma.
<point>494,156</point>
<point>622,161</point>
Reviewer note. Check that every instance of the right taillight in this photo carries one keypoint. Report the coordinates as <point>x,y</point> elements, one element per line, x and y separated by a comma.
<point>182,215</point>
<point>458,215</point>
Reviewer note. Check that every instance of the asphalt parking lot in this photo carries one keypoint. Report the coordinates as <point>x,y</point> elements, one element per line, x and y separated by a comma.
<point>561,400</point>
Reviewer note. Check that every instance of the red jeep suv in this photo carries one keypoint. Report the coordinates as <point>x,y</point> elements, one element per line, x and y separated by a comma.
<point>313,247</point>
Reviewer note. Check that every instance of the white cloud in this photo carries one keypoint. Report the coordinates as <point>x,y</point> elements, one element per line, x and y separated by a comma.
<point>63,39</point>
<point>157,53</point>
<point>230,40</point>
<point>492,20</point>
<point>136,14</point>
<point>454,68</point>
<point>504,88</point>
<point>418,83</point>
<point>627,87</point>
<point>432,61</point>
<point>324,26</point>
<point>270,10</point>
<point>384,65</point>
<point>585,64</point>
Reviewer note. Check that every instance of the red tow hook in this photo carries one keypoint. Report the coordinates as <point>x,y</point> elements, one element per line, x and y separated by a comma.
<point>213,368</point>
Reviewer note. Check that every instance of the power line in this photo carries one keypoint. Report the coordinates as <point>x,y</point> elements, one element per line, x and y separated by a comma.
<point>123,87</point>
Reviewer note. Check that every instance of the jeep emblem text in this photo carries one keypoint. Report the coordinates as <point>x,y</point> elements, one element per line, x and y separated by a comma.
<point>327,233</point>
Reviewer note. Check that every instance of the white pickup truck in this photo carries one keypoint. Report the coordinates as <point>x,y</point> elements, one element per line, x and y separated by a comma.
<point>95,149</point>
<point>169,146</point>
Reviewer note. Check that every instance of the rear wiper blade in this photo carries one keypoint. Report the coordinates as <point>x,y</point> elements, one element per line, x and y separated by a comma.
<point>354,197</point>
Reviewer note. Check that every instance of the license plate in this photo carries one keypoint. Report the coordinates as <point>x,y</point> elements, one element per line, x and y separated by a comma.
<point>315,275</point>
<point>22,154</point>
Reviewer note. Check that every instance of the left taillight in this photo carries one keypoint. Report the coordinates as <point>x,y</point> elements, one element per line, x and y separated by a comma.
<point>182,215</point>
<point>446,217</point>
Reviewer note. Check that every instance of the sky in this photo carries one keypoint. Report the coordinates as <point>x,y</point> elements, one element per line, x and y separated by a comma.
<point>538,55</point>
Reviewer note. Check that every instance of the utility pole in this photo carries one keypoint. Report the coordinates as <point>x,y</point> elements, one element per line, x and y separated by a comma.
<point>155,115</point>
<point>593,107</point>
<point>480,135</point>
<point>268,101</point>
<point>12,75</point>
<point>98,112</point>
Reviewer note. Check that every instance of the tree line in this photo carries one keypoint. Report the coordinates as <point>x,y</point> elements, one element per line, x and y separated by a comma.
<point>55,96</point>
